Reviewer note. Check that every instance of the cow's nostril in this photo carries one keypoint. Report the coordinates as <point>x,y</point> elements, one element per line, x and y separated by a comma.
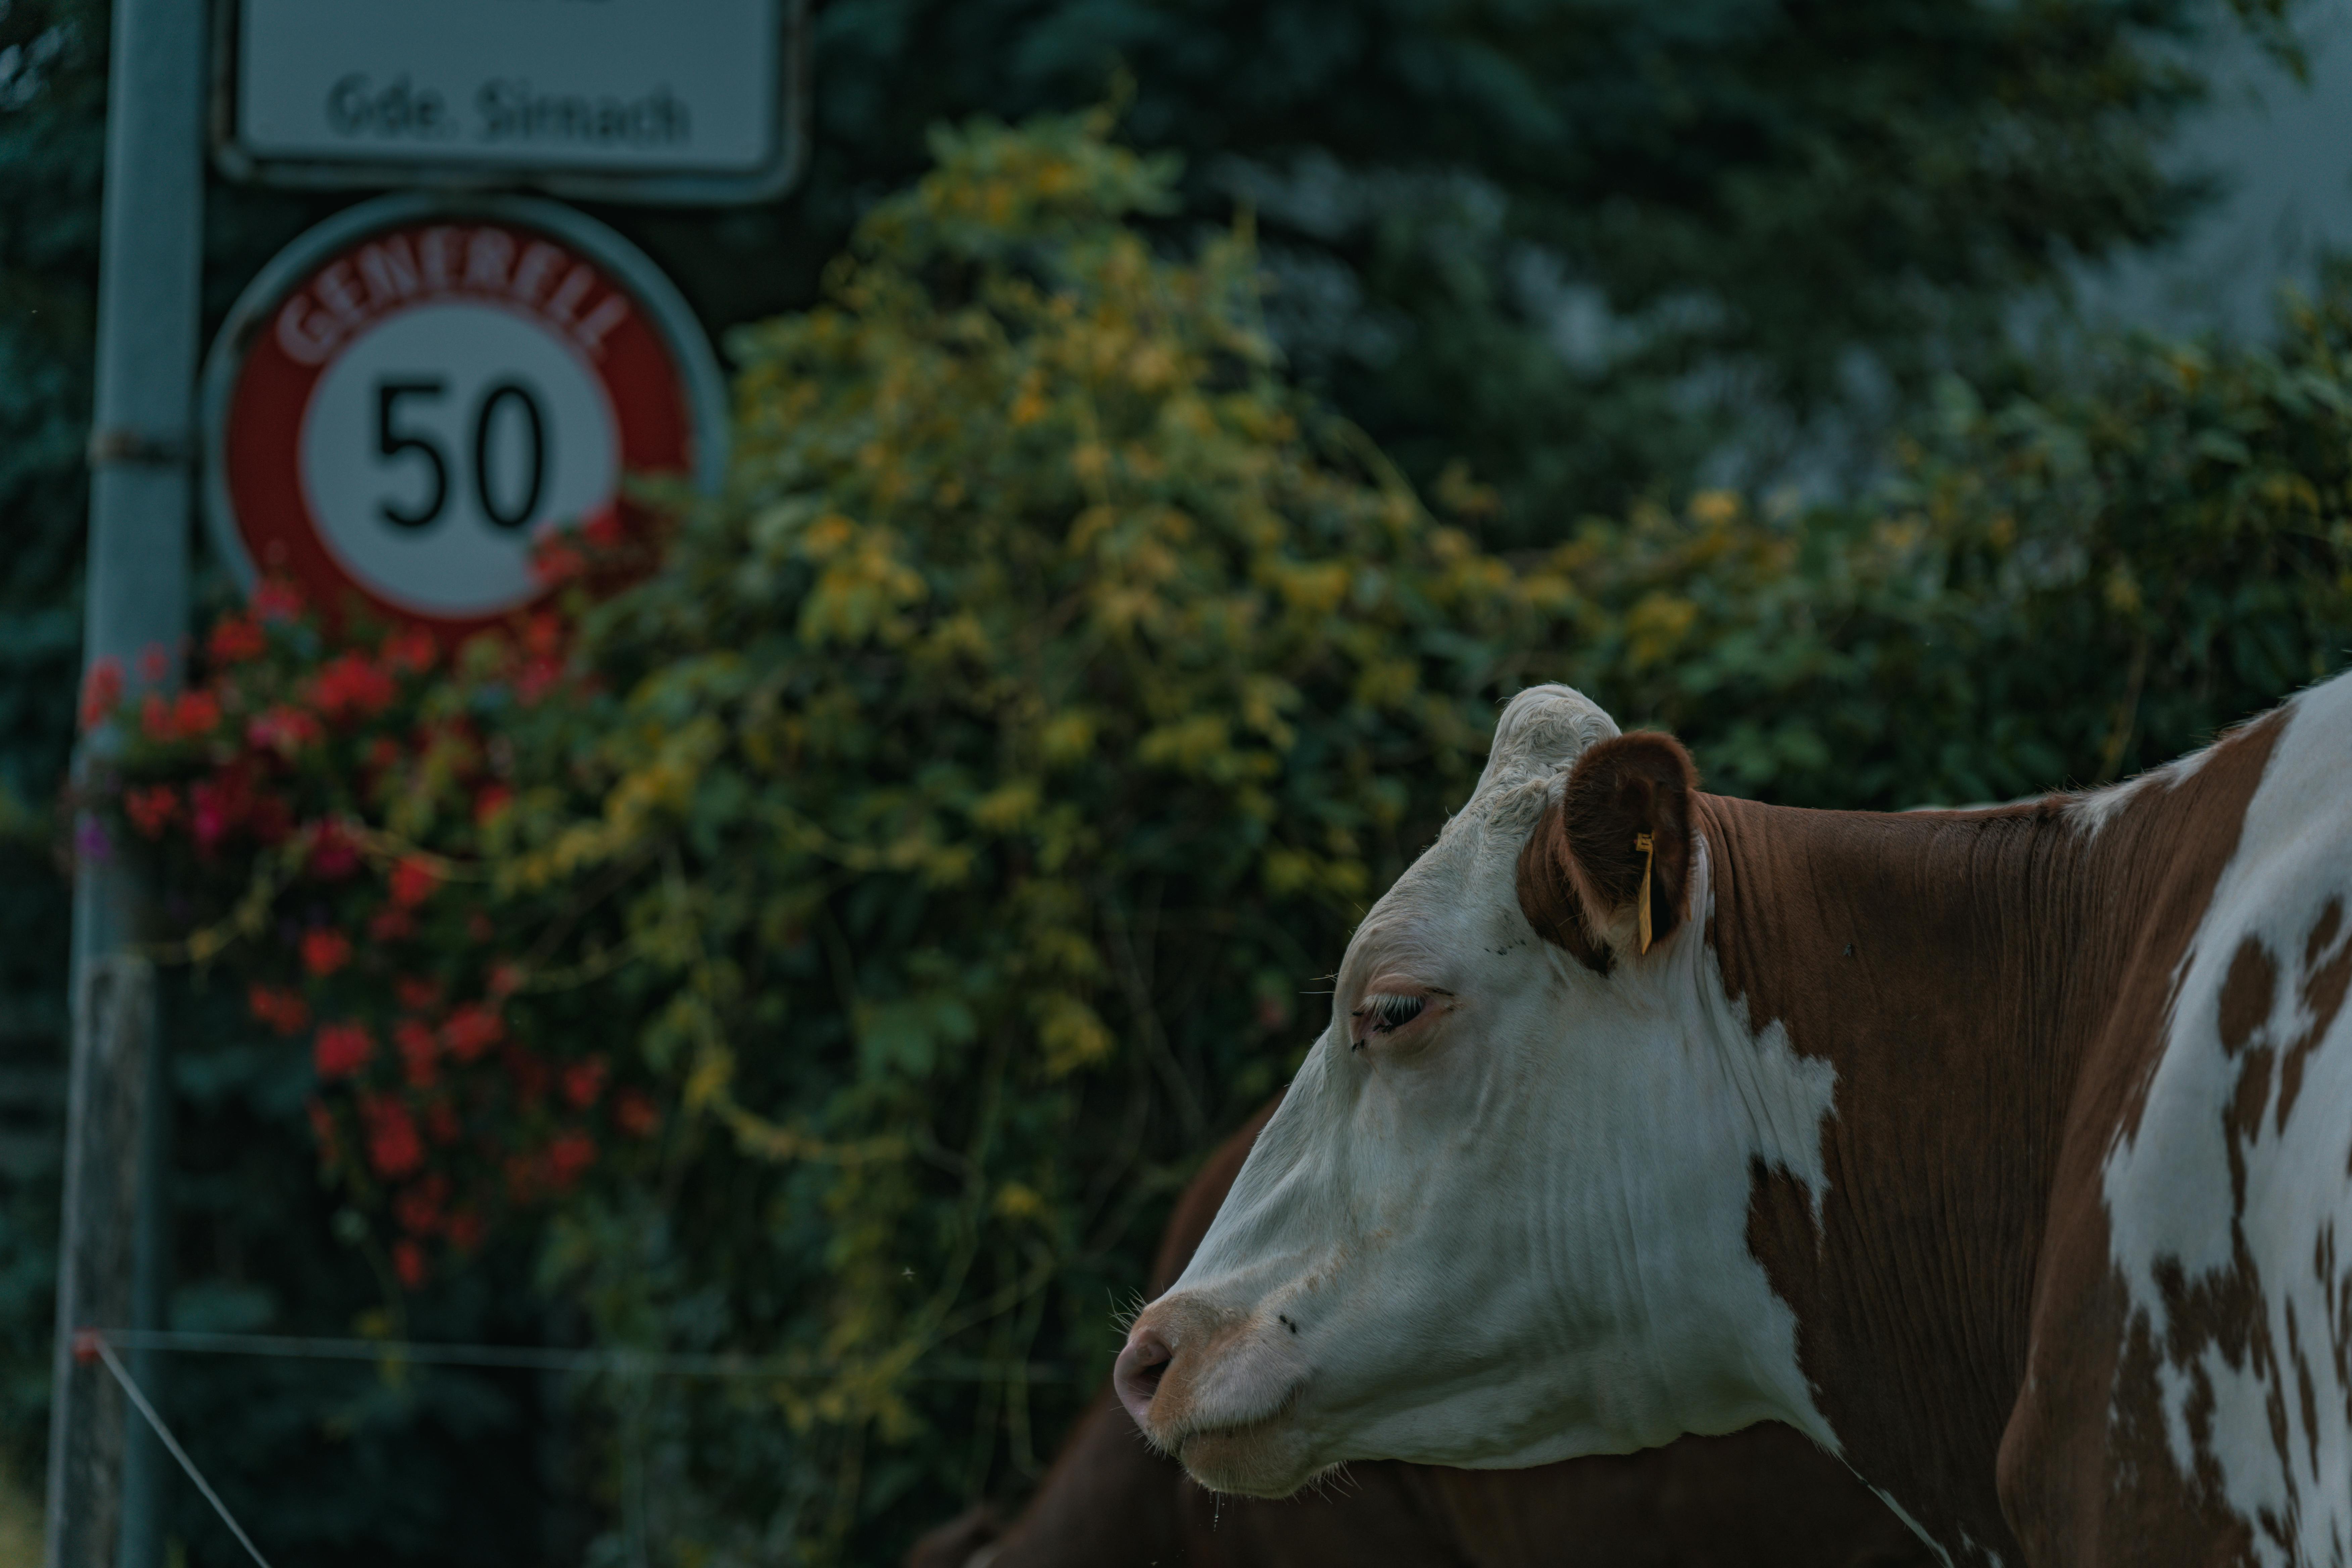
<point>1140,1368</point>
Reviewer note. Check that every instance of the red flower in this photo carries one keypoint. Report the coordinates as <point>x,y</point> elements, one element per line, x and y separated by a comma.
<point>408,1262</point>
<point>325,950</point>
<point>529,1074</point>
<point>635,1113</point>
<point>214,807</point>
<point>282,730</point>
<point>154,664</point>
<point>350,687</point>
<point>269,818</point>
<point>155,719</point>
<point>152,810</point>
<point>323,1129</point>
<point>194,714</point>
<point>389,924</point>
<point>553,563</point>
<point>472,1029</point>
<point>602,528</point>
<point>584,1081</point>
<point>542,633</point>
<point>101,689</point>
<point>234,639</point>
<point>465,1229</point>
<point>278,600</point>
<point>441,1123</point>
<point>536,680</point>
<point>415,994</point>
<point>284,1011</point>
<point>413,881</point>
<point>420,1051</point>
<point>394,1148</point>
<point>342,1049</point>
<point>522,1180</point>
<point>490,803</point>
<point>567,1157</point>
<point>417,1208</point>
<point>505,979</point>
<point>333,856</point>
<point>411,650</point>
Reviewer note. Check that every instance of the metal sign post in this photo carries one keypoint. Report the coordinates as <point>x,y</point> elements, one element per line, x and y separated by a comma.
<point>103,1490</point>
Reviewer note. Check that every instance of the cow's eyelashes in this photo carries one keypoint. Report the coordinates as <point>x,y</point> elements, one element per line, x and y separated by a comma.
<point>1388,1013</point>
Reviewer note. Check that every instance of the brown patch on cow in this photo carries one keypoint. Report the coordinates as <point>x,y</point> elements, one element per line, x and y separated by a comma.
<point>1583,869</point>
<point>2307,1391</point>
<point>1761,1496</point>
<point>2247,995</point>
<point>1992,1018</point>
<point>2323,983</point>
<point>2086,1467</point>
<point>2187,1520</point>
<point>1765,1498</point>
<point>2241,1120</point>
<point>1880,943</point>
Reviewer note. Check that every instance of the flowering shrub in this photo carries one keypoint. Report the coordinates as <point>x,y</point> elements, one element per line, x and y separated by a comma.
<point>324,813</point>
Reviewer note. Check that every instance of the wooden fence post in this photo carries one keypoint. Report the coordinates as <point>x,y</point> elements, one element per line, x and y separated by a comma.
<point>114,1044</point>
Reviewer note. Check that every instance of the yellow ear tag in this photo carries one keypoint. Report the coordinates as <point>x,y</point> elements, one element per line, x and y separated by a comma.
<point>1648,847</point>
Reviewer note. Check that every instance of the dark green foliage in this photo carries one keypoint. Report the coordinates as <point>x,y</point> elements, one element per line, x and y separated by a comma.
<point>1755,192</point>
<point>51,148</point>
<point>2061,590</point>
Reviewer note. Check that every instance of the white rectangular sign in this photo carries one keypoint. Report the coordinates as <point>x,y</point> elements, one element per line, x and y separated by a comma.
<point>615,88</point>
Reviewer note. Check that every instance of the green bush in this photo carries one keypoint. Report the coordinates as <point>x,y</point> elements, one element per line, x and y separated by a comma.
<point>2060,590</point>
<point>1005,755</point>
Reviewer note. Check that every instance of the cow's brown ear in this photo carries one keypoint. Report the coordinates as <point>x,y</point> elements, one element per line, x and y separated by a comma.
<point>1622,824</point>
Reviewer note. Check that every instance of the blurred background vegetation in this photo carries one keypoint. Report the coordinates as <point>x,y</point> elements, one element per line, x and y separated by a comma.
<point>1129,541</point>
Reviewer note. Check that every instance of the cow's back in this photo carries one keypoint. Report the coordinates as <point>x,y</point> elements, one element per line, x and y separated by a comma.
<point>2189,1396</point>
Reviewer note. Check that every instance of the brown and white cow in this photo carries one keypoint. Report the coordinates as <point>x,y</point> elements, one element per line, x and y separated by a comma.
<point>1765,1498</point>
<point>2006,1153</point>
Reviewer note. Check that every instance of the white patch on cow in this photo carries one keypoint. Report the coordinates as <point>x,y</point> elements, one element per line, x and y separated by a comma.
<point>2282,1448</point>
<point>2094,810</point>
<point>1529,1242</point>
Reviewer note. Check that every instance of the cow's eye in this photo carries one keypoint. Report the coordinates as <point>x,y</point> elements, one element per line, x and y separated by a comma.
<point>1387,1012</point>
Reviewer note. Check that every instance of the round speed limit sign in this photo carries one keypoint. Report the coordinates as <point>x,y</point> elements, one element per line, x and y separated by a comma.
<point>412,394</point>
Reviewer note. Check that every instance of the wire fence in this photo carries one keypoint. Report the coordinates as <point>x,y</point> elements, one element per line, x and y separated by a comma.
<point>533,1357</point>
<point>102,1345</point>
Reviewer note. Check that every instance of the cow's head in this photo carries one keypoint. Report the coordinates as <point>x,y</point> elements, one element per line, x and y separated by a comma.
<point>1499,1218</point>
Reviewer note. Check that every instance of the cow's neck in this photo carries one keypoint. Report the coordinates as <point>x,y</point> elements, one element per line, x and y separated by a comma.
<point>1952,968</point>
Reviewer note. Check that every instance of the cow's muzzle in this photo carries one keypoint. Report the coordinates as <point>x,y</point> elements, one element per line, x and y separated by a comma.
<point>1207,1386</point>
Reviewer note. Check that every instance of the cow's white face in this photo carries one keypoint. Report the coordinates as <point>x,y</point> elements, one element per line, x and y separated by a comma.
<point>1500,1217</point>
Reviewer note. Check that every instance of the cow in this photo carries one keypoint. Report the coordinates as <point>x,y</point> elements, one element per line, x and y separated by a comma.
<point>1764,1498</point>
<point>2006,1153</point>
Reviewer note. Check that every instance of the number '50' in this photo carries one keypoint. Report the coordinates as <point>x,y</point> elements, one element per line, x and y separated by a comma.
<point>392,441</point>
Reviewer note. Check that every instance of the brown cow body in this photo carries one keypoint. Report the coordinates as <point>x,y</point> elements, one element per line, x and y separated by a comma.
<point>2007,1153</point>
<point>1759,1499</point>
